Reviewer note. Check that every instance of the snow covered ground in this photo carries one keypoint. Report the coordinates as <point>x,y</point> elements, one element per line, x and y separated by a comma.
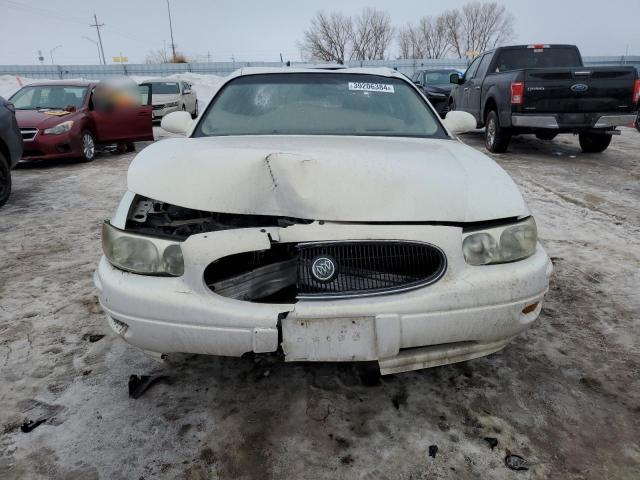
<point>203,85</point>
<point>565,395</point>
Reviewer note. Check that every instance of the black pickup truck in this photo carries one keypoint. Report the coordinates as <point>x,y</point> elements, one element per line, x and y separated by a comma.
<point>546,90</point>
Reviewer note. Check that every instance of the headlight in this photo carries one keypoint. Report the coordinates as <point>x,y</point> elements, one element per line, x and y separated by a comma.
<point>172,104</point>
<point>60,128</point>
<point>501,244</point>
<point>140,253</point>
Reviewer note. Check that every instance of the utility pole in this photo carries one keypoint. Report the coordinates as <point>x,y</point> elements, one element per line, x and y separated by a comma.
<point>173,45</point>
<point>98,25</point>
<point>51,52</point>
<point>208,57</point>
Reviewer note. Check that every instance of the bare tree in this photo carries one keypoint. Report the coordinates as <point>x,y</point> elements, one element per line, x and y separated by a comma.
<point>478,27</point>
<point>453,32</point>
<point>410,45</point>
<point>158,56</point>
<point>425,40</point>
<point>162,56</point>
<point>371,35</point>
<point>328,38</point>
<point>431,35</point>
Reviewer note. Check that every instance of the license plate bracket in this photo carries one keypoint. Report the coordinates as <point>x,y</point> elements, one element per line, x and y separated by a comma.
<point>329,339</point>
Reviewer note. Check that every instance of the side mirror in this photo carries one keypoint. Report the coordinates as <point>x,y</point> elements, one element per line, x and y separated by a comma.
<point>455,78</point>
<point>177,122</point>
<point>418,83</point>
<point>458,122</point>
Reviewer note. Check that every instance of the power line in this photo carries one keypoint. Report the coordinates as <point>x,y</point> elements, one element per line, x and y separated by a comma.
<point>98,25</point>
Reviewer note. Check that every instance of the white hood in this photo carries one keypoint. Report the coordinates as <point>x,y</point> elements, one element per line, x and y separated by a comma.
<point>162,98</point>
<point>366,179</point>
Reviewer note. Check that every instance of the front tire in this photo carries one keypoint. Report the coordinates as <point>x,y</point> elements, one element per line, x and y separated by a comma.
<point>594,142</point>
<point>496,138</point>
<point>5,180</point>
<point>88,147</point>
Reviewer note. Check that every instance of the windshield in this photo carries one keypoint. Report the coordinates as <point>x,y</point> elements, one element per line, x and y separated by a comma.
<point>517,58</point>
<point>165,87</point>
<point>319,104</point>
<point>49,96</point>
<point>438,78</point>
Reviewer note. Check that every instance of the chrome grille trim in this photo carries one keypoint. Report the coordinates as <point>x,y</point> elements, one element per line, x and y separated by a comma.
<point>367,268</point>
<point>28,134</point>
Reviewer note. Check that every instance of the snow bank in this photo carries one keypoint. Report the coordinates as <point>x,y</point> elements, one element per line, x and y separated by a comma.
<point>204,85</point>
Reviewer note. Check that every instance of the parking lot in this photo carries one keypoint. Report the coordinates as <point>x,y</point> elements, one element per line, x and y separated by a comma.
<point>565,395</point>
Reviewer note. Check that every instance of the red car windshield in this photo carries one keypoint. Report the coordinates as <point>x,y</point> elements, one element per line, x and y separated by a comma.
<point>49,96</point>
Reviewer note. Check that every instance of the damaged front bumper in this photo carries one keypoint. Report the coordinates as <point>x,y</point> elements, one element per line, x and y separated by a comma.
<point>469,312</point>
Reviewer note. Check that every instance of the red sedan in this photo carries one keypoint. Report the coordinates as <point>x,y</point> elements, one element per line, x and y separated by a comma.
<point>65,120</point>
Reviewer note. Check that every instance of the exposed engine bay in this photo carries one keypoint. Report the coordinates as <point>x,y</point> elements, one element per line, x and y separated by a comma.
<point>152,217</point>
<point>287,272</point>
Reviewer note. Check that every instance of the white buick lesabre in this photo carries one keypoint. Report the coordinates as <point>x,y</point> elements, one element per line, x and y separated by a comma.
<point>328,214</point>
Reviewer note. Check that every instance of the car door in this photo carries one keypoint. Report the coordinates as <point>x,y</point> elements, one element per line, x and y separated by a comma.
<point>462,92</point>
<point>189,96</point>
<point>124,123</point>
<point>475,86</point>
<point>142,125</point>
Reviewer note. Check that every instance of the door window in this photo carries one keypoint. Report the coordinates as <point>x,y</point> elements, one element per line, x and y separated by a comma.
<point>471,71</point>
<point>484,66</point>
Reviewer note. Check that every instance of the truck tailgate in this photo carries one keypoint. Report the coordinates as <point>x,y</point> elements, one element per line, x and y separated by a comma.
<point>579,90</point>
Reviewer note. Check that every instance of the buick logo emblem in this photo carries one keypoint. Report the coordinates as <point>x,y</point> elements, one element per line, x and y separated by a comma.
<point>323,269</point>
<point>579,87</point>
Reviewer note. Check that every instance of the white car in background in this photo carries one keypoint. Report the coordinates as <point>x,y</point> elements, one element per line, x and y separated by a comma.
<point>172,96</point>
<point>327,214</point>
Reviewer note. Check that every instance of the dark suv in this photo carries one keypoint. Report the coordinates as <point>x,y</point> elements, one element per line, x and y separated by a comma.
<point>10,147</point>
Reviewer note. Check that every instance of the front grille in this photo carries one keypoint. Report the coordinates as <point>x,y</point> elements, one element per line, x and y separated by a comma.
<point>158,107</point>
<point>358,268</point>
<point>28,134</point>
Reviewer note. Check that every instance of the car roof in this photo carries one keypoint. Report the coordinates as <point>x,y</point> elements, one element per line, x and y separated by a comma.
<point>163,80</point>
<point>439,70</point>
<point>323,68</point>
<point>64,83</point>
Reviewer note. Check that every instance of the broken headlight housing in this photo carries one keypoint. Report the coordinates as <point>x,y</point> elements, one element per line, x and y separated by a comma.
<point>501,244</point>
<point>141,254</point>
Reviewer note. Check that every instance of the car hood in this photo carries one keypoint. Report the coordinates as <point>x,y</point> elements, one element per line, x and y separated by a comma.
<point>41,118</point>
<point>160,98</point>
<point>364,179</point>
<point>439,88</point>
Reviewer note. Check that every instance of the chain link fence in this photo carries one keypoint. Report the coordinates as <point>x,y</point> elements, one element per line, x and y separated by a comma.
<point>408,67</point>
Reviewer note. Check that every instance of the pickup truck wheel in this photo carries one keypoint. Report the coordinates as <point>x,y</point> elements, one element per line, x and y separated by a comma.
<point>594,142</point>
<point>546,135</point>
<point>496,138</point>
<point>5,180</point>
<point>88,147</point>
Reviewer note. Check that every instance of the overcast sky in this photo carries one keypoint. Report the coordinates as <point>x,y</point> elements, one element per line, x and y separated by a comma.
<point>261,30</point>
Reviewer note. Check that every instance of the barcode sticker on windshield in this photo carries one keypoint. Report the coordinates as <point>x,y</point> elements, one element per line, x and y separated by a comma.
<point>371,87</point>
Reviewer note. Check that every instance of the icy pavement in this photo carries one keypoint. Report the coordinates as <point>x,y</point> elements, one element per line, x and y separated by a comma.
<point>565,395</point>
